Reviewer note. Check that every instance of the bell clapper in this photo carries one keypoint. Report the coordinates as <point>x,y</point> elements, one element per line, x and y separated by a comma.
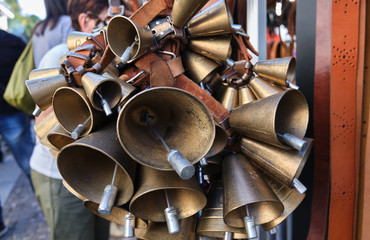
<point>178,162</point>
<point>109,196</point>
<point>291,85</point>
<point>298,186</point>
<point>172,220</point>
<point>126,56</point>
<point>293,141</point>
<point>104,103</point>
<point>79,129</point>
<point>228,236</point>
<point>203,162</point>
<point>129,227</point>
<point>37,111</point>
<point>250,226</point>
<point>273,231</point>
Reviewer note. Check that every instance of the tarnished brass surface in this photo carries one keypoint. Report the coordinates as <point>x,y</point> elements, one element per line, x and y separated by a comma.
<point>199,67</point>
<point>183,121</point>
<point>45,72</point>
<point>261,88</point>
<point>230,98</point>
<point>42,89</point>
<point>109,88</point>
<point>127,89</point>
<point>45,125</point>
<point>244,186</point>
<point>121,33</point>
<point>246,95</point>
<point>277,70</point>
<point>220,141</point>
<point>149,200</point>
<point>284,165</point>
<point>217,48</point>
<point>184,10</point>
<point>288,196</point>
<point>87,165</point>
<point>211,223</point>
<point>214,20</point>
<point>72,107</point>
<point>117,215</point>
<point>59,138</point>
<point>74,192</point>
<point>285,112</point>
<point>158,231</point>
<point>76,39</point>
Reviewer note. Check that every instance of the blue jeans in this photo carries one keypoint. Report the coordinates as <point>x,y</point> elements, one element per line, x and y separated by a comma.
<point>15,131</point>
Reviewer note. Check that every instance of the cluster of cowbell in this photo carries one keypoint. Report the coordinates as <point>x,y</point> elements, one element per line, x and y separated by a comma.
<point>155,159</point>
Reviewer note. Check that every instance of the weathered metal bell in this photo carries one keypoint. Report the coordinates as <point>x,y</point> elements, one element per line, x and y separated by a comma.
<point>230,98</point>
<point>211,223</point>
<point>45,125</point>
<point>150,201</point>
<point>278,70</point>
<point>73,191</point>
<point>87,165</point>
<point>72,108</point>
<point>289,197</point>
<point>42,89</point>
<point>127,89</point>
<point>215,20</point>
<point>246,194</point>
<point>76,39</point>
<point>284,165</point>
<point>158,230</point>
<point>261,88</point>
<point>217,48</point>
<point>245,95</point>
<point>98,87</point>
<point>264,119</point>
<point>117,216</point>
<point>128,39</point>
<point>219,143</point>
<point>181,119</point>
<point>59,138</point>
<point>45,72</point>
<point>199,67</point>
<point>184,10</point>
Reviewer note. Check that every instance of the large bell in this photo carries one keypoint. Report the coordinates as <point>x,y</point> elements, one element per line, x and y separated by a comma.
<point>217,48</point>
<point>261,88</point>
<point>230,98</point>
<point>215,20</point>
<point>184,10</point>
<point>246,195</point>
<point>98,87</point>
<point>290,198</point>
<point>212,223</point>
<point>59,138</point>
<point>88,164</point>
<point>181,119</point>
<point>245,95</point>
<point>72,108</point>
<point>128,39</point>
<point>199,67</point>
<point>150,201</point>
<point>268,118</point>
<point>284,165</point>
<point>278,70</point>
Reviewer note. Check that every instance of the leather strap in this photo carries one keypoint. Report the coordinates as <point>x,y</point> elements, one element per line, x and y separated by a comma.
<point>160,74</point>
<point>149,11</point>
<point>176,66</point>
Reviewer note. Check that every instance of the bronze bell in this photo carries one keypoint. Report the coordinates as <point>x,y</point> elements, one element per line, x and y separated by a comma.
<point>103,93</point>
<point>215,20</point>
<point>290,198</point>
<point>127,39</point>
<point>211,223</point>
<point>150,201</point>
<point>178,117</point>
<point>45,72</point>
<point>278,70</point>
<point>219,143</point>
<point>199,67</point>
<point>248,200</point>
<point>157,230</point>
<point>59,138</point>
<point>245,95</point>
<point>261,88</point>
<point>73,109</point>
<point>117,216</point>
<point>127,89</point>
<point>88,164</point>
<point>217,48</point>
<point>284,165</point>
<point>110,68</point>
<point>184,10</point>
<point>76,39</point>
<point>268,118</point>
<point>230,98</point>
<point>73,191</point>
<point>45,125</point>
